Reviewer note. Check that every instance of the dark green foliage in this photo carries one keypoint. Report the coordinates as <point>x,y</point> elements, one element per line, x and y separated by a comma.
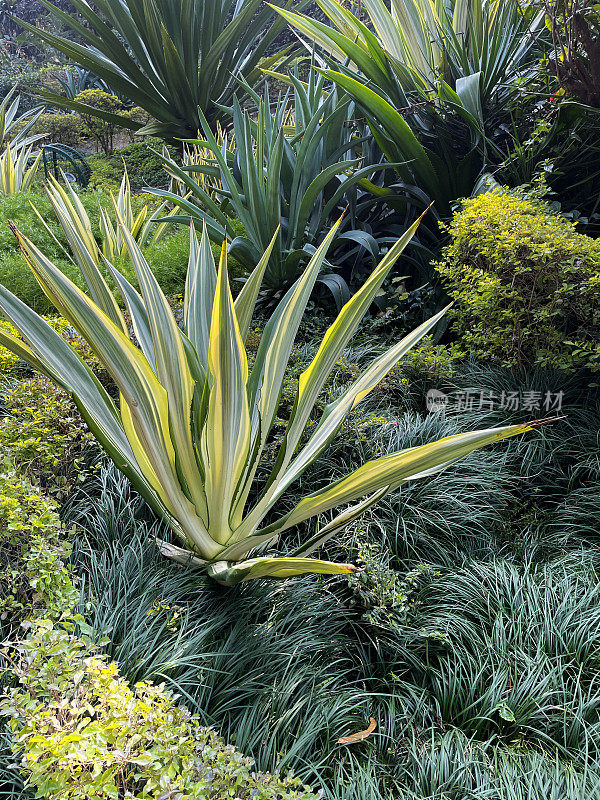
<point>560,141</point>
<point>11,781</point>
<point>282,180</point>
<point>186,55</point>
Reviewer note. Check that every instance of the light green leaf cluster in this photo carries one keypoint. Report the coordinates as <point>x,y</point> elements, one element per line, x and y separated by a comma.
<point>84,734</point>
<point>15,128</point>
<point>144,227</point>
<point>34,578</point>
<point>41,433</point>
<point>18,168</point>
<point>527,284</point>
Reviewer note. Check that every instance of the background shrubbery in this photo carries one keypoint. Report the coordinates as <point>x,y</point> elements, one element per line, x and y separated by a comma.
<point>144,167</point>
<point>168,257</point>
<point>527,284</point>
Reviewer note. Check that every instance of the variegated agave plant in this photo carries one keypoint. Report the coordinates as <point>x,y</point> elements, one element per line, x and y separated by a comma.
<point>193,420</point>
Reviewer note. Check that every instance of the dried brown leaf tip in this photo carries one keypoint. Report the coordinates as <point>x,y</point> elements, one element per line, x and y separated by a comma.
<point>358,737</point>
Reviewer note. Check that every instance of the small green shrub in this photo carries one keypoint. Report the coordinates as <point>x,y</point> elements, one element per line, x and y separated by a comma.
<point>168,258</point>
<point>33,575</point>
<point>59,127</point>
<point>10,363</point>
<point>105,174</point>
<point>62,128</point>
<point>84,733</point>
<point>101,130</point>
<point>527,285</point>
<point>423,368</point>
<point>42,433</point>
<point>385,596</point>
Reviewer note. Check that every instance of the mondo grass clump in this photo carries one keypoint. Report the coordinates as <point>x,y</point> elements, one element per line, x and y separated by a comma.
<point>473,666</point>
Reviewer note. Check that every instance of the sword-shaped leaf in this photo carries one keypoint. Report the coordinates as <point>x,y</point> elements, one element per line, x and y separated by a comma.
<point>199,296</point>
<point>173,372</point>
<point>271,362</point>
<point>231,574</point>
<point>226,433</point>
<point>392,470</point>
<point>246,299</point>
<point>77,228</point>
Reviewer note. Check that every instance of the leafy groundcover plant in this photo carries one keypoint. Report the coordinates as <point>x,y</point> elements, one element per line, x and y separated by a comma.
<point>194,421</point>
<point>68,718</point>
<point>513,260</point>
<point>85,733</point>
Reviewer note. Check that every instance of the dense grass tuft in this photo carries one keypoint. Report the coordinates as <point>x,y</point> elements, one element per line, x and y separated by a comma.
<point>480,667</point>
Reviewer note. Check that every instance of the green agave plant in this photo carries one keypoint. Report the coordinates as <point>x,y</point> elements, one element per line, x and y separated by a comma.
<point>423,56</point>
<point>170,57</point>
<point>18,168</point>
<point>288,171</point>
<point>193,420</point>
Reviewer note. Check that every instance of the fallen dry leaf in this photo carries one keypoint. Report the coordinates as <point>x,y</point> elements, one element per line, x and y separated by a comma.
<point>358,737</point>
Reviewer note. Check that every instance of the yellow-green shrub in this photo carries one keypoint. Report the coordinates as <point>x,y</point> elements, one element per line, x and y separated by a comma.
<point>9,361</point>
<point>527,284</point>
<point>99,129</point>
<point>33,576</point>
<point>85,734</point>
<point>41,433</point>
